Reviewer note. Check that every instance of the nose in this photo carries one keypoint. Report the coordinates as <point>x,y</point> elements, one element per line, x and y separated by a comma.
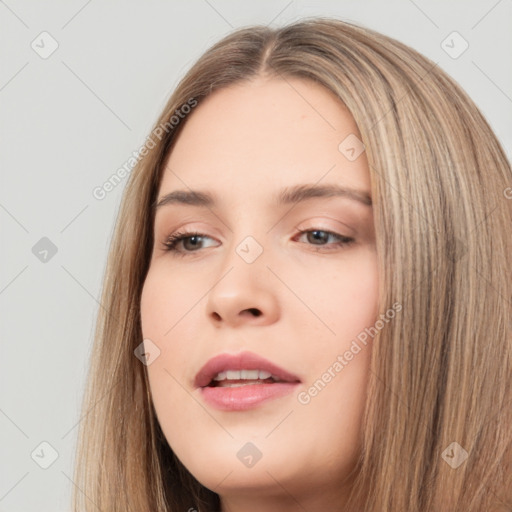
<point>243,294</point>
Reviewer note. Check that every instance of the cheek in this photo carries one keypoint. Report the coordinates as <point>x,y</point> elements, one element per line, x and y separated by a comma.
<point>169,318</point>
<point>161,309</point>
<point>344,297</point>
<point>360,301</point>
<point>166,299</point>
<point>339,360</point>
<point>157,299</point>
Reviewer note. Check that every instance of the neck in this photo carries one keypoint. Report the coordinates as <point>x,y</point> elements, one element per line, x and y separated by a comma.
<point>291,500</point>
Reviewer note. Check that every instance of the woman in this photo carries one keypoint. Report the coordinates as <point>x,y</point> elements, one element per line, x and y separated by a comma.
<point>237,366</point>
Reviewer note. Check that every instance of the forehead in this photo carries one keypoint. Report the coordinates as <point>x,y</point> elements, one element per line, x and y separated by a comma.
<point>255,137</point>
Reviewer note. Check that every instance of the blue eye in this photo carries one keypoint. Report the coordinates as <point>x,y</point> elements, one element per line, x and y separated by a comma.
<point>194,240</point>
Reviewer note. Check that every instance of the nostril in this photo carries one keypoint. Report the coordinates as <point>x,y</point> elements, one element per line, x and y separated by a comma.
<point>254,311</point>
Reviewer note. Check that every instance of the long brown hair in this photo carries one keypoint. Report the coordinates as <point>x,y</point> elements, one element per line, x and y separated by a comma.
<point>440,372</point>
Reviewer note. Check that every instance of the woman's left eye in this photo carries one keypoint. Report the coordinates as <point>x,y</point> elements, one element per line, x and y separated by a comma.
<point>320,235</point>
<point>194,240</point>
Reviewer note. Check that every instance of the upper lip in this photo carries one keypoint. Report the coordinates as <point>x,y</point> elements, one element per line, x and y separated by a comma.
<point>240,361</point>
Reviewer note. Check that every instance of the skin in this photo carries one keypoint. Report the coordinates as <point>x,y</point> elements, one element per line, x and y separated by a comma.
<point>243,144</point>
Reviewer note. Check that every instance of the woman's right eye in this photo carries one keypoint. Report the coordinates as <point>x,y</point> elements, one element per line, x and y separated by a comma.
<point>175,239</point>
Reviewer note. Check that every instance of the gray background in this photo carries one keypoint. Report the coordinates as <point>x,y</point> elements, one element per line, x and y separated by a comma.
<point>70,120</point>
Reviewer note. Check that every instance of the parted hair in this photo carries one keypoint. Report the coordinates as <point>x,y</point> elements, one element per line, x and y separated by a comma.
<point>440,371</point>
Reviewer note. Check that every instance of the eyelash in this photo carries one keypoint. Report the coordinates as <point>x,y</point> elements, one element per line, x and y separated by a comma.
<point>174,239</point>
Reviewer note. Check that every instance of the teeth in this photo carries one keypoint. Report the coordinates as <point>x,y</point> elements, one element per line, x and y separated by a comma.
<point>244,375</point>
<point>249,374</point>
<point>231,384</point>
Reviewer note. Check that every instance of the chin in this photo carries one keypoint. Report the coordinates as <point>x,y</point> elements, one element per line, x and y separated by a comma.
<point>238,465</point>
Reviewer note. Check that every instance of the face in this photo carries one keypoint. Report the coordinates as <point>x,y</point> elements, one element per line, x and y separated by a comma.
<point>270,288</point>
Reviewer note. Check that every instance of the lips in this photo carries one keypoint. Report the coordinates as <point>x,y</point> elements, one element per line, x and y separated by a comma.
<point>226,369</point>
<point>238,382</point>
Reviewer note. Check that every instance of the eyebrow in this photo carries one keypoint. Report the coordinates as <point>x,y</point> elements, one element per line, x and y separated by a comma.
<point>287,195</point>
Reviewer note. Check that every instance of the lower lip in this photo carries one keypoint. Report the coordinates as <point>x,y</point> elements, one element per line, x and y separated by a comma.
<point>245,397</point>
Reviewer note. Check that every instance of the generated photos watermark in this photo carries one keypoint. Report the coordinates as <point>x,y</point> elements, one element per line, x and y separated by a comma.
<point>101,191</point>
<point>342,360</point>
